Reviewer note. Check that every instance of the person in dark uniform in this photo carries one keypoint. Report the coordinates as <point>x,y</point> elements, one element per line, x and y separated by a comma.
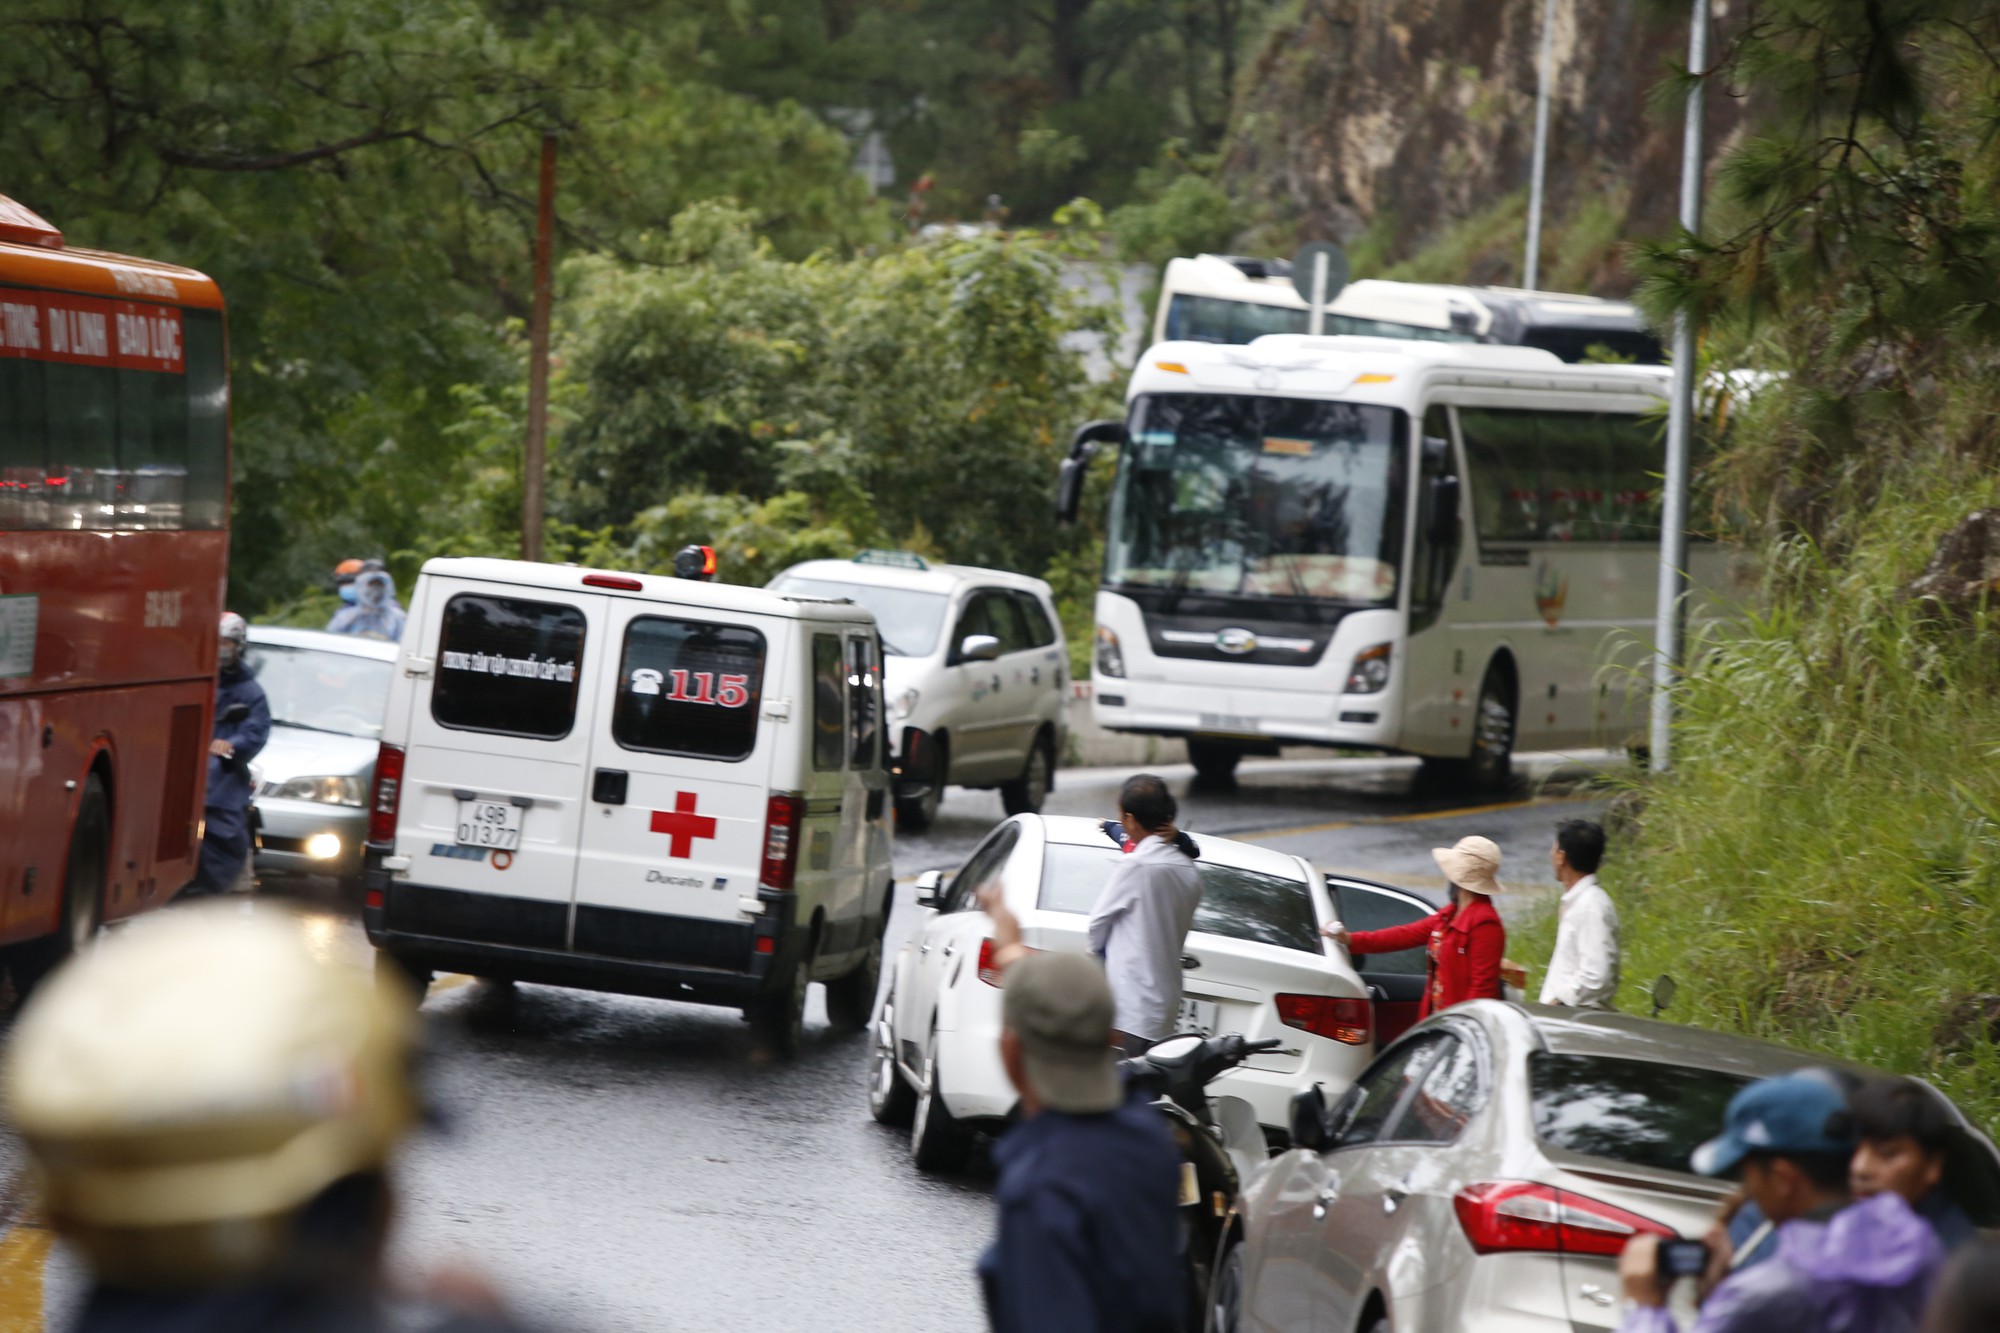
<point>242,725</point>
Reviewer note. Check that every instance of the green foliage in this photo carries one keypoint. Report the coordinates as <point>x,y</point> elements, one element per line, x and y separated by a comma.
<point>1179,212</point>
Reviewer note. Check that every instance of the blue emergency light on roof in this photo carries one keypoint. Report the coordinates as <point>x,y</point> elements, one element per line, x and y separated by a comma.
<point>899,559</point>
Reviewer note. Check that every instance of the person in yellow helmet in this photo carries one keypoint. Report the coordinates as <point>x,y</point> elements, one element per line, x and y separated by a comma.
<point>212,1115</point>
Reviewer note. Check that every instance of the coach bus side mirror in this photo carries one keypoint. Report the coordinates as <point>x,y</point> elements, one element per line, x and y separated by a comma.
<point>1082,448</point>
<point>1444,511</point>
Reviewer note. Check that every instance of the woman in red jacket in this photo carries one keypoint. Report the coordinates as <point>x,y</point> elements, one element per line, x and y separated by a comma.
<point>1465,941</point>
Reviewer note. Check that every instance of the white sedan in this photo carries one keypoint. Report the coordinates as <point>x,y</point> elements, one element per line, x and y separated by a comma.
<point>1254,964</point>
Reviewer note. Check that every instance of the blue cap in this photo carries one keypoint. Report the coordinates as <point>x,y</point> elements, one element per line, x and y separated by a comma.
<point>1799,1113</point>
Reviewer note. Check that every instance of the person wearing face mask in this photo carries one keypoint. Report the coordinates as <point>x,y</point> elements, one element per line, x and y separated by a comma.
<point>376,614</point>
<point>242,725</point>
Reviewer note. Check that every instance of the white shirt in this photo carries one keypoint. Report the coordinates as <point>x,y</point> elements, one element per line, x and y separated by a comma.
<point>1139,926</point>
<point>1583,971</point>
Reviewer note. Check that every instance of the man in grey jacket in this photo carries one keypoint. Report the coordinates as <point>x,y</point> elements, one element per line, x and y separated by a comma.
<point>1141,920</point>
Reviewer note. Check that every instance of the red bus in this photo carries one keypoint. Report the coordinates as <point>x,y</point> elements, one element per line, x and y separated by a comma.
<point>114,545</point>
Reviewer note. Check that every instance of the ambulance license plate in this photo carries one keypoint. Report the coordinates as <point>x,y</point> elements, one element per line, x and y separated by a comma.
<point>1197,1016</point>
<point>495,824</point>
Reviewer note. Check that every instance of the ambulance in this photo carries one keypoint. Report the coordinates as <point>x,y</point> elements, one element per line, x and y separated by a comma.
<point>636,783</point>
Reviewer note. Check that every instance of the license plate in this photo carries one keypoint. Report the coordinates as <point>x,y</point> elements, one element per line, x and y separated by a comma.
<point>495,824</point>
<point>1197,1016</point>
<point>1234,722</point>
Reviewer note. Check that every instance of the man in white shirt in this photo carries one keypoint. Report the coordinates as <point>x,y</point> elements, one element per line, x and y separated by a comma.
<point>1583,971</point>
<point>1141,920</point>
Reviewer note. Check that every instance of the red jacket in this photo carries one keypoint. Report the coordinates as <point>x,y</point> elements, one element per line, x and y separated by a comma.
<point>1465,945</point>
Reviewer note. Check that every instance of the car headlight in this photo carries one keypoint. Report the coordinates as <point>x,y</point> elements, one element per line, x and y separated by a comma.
<point>903,705</point>
<point>1110,657</point>
<point>1371,670</point>
<point>325,790</point>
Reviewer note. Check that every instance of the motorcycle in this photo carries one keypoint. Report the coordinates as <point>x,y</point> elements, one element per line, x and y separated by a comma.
<point>1219,1139</point>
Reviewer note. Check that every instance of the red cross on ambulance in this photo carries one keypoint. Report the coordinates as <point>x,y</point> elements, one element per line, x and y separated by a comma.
<point>683,825</point>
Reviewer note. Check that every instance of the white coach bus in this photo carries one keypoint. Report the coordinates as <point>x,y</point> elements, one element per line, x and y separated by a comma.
<point>1439,549</point>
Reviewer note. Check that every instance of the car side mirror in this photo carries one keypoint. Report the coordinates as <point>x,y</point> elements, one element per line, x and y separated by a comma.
<point>928,885</point>
<point>1308,1119</point>
<point>1444,511</point>
<point>979,648</point>
<point>235,713</point>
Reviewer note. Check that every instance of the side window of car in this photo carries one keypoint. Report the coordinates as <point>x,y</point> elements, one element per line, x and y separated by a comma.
<point>1379,1091</point>
<point>1453,1090</point>
<point>976,618</point>
<point>1041,633</point>
<point>985,863</point>
<point>829,724</point>
<point>1364,908</point>
<point>1009,623</point>
<point>864,688</point>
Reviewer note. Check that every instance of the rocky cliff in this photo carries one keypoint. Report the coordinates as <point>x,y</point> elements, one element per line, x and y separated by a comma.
<point>1405,128</point>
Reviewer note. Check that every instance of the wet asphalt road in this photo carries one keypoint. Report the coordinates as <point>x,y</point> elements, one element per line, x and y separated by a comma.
<point>616,1163</point>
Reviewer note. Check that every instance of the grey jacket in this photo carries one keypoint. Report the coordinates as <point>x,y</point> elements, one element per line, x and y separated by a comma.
<point>1139,927</point>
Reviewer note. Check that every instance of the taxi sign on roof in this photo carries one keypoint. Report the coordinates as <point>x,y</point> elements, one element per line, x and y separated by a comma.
<point>899,559</point>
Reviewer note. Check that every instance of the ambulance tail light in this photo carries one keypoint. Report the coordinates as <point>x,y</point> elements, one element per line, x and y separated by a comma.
<point>387,797</point>
<point>781,840</point>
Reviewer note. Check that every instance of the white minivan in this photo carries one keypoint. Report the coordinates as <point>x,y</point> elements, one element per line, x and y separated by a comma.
<point>634,783</point>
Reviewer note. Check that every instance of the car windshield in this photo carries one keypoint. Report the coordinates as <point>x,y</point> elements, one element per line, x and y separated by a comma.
<point>1235,904</point>
<point>1237,495</point>
<point>1639,1112</point>
<point>322,691</point>
<point>908,620</point>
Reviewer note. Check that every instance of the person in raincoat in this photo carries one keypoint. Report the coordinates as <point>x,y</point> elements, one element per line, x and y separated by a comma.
<point>1841,1266</point>
<point>376,614</point>
<point>242,725</point>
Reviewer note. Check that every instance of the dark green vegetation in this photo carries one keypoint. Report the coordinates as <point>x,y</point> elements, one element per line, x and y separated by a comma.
<point>1823,866</point>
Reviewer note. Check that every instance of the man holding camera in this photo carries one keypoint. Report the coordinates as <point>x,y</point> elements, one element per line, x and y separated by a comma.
<point>1840,1266</point>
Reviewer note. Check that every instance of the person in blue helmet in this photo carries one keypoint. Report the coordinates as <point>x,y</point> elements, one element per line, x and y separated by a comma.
<point>242,725</point>
<point>375,614</point>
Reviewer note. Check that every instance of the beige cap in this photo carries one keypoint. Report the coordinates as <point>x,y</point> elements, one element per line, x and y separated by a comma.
<point>1060,1005</point>
<point>1471,863</point>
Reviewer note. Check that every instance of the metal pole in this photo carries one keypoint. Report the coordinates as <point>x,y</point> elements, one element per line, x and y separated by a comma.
<point>1319,294</point>
<point>1531,265</point>
<point>538,360</point>
<point>1680,424</point>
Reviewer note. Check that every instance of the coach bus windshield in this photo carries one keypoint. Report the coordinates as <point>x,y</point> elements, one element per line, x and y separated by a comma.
<point>1236,495</point>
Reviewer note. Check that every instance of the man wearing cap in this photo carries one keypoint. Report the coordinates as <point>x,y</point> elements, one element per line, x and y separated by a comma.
<point>1841,1267</point>
<point>1465,941</point>
<point>1089,1188</point>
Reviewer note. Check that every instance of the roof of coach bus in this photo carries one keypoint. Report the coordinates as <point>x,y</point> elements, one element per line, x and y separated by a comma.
<point>1373,369</point>
<point>33,253</point>
<point>1426,305</point>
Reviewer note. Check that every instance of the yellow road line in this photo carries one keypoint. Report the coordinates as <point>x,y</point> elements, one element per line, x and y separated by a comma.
<point>1418,818</point>
<point>24,1253</point>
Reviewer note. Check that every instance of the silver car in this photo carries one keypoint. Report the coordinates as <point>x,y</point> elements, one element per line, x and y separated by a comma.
<point>1486,1171</point>
<point>327,693</point>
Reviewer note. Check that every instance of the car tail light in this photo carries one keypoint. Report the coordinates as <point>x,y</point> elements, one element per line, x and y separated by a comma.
<point>387,797</point>
<point>989,970</point>
<point>1349,1022</point>
<point>1516,1215</point>
<point>781,840</point>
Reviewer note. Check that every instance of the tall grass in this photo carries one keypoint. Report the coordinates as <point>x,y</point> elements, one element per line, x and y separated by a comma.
<point>1822,866</point>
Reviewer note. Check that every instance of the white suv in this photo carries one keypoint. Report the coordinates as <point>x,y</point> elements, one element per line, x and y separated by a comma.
<point>977,673</point>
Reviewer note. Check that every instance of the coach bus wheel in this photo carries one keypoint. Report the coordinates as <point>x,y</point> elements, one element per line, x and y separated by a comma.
<point>1492,763</point>
<point>1214,761</point>
<point>83,892</point>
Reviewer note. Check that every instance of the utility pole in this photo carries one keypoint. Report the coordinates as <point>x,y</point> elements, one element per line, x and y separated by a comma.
<point>1680,422</point>
<point>1531,265</point>
<point>534,453</point>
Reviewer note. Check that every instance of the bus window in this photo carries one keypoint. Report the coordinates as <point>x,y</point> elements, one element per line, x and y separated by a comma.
<point>207,502</point>
<point>1563,476</point>
<point>82,405</point>
<point>23,446</point>
<point>1436,465</point>
<point>1211,319</point>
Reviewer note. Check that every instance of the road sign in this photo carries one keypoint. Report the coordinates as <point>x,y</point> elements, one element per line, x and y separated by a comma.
<point>1319,271</point>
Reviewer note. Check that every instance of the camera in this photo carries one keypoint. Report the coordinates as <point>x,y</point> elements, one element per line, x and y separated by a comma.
<point>1682,1258</point>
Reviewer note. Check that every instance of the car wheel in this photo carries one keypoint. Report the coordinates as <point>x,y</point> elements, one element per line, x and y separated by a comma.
<point>780,1019</point>
<point>851,999</point>
<point>937,1141</point>
<point>1025,795</point>
<point>412,979</point>
<point>1225,1295</point>
<point>914,814</point>
<point>891,1100</point>
<point>1214,761</point>
<point>84,879</point>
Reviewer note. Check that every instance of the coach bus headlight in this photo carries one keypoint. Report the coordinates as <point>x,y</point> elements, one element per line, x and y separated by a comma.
<point>1110,658</point>
<point>325,790</point>
<point>1371,670</point>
